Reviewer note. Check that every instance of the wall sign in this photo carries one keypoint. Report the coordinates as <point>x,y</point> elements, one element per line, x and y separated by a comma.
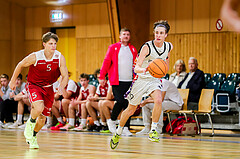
<point>219,24</point>
<point>56,16</point>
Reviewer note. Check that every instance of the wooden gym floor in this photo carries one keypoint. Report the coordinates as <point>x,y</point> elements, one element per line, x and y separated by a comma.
<point>61,145</point>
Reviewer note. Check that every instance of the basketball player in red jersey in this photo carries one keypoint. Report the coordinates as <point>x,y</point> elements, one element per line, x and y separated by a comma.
<point>45,67</point>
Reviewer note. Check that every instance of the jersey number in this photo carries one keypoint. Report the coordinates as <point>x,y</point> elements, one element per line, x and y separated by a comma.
<point>34,95</point>
<point>49,67</point>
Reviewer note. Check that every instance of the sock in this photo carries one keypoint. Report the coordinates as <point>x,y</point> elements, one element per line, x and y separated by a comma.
<point>108,120</point>
<point>34,133</point>
<point>49,120</point>
<point>119,130</point>
<point>71,121</point>
<point>32,120</point>
<point>83,121</point>
<point>60,120</point>
<point>104,123</point>
<point>154,126</point>
<point>96,123</point>
<point>19,118</point>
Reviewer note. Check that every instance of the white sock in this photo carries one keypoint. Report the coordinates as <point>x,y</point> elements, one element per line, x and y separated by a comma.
<point>49,120</point>
<point>154,126</point>
<point>83,121</point>
<point>60,120</point>
<point>19,118</point>
<point>71,121</point>
<point>119,130</point>
<point>108,120</point>
<point>104,123</point>
<point>96,123</point>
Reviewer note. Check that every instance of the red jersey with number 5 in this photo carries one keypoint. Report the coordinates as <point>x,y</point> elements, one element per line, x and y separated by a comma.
<point>44,72</point>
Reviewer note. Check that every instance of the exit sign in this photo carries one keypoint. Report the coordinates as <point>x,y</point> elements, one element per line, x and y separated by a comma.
<point>56,16</point>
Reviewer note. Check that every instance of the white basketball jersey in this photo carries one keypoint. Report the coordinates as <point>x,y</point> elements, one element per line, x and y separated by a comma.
<point>154,53</point>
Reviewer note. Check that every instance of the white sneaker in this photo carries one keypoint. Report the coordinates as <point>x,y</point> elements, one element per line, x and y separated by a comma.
<point>46,126</point>
<point>126,132</point>
<point>15,125</point>
<point>7,125</point>
<point>143,131</point>
<point>111,126</point>
<point>159,130</point>
<point>22,126</point>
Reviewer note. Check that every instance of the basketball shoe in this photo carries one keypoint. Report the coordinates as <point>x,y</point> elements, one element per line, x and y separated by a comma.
<point>57,126</point>
<point>22,126</point>
<point>143,131</point>
<point>153,136</point>
<point>126,132</point>
<point>114,141</point>
<point>33,143</point>
<point>28,132</point>
<point>67,127</point>
<point>15,125</point>
<point>111,126</point>
<point>81,127</point>
<point>105,129</point>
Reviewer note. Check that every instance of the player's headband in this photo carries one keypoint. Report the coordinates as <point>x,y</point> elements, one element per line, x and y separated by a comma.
<point>160,25</point>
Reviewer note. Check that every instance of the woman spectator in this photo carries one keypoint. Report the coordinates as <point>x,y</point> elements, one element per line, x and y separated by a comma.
<point>180,73</point>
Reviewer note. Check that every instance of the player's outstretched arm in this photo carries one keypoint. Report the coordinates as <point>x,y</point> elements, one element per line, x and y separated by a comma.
<point>26,62</point>
<point>64,74</point>
<point>143,53</point>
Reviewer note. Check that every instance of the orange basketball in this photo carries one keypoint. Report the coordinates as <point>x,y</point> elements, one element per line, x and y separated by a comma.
<point>158,68</point>
<point>90,121</point>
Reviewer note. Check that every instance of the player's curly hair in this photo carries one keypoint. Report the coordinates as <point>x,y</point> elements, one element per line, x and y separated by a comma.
<point>162,23</point>
<point>49,35</point>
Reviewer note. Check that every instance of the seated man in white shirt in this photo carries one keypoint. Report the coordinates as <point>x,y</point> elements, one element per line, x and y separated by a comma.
<point>171,101</point>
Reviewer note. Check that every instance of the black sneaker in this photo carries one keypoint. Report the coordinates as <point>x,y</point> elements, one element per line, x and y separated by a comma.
<point>95,128</point>
<point>105,129</point>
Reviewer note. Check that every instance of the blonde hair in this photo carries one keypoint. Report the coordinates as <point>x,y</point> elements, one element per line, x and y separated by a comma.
<point>180,61</point>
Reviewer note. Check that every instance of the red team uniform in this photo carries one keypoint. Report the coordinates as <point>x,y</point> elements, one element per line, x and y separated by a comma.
<point>74,88</point>
<point>85,93</point>
<point>102,91</point>
<point>41,77</point>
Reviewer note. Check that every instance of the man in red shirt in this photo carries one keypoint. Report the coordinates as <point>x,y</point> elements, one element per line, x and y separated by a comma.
<point>118,63</point>
<point>45,67</point>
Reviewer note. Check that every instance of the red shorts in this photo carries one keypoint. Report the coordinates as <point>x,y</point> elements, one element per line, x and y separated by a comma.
<point>45,94</point>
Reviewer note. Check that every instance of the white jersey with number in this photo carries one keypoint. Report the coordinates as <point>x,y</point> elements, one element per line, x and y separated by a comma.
<point>145,83</point>
<point>154,53</point>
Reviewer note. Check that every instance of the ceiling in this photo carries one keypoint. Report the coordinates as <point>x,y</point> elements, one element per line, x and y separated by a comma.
<point>38,3</point>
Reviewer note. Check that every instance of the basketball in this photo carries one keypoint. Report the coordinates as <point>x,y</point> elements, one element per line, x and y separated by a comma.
<point>158,68</point>
<point>90,121</point>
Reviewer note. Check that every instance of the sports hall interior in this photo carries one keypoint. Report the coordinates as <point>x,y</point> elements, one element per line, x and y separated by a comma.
<point>87,29</point>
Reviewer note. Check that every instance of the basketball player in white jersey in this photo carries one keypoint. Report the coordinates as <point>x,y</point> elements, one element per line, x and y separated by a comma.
<point>45,67</point>
<point>146,84</point>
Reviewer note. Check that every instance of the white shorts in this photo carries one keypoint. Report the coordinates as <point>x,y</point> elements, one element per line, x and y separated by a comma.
<point>143,87</point>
